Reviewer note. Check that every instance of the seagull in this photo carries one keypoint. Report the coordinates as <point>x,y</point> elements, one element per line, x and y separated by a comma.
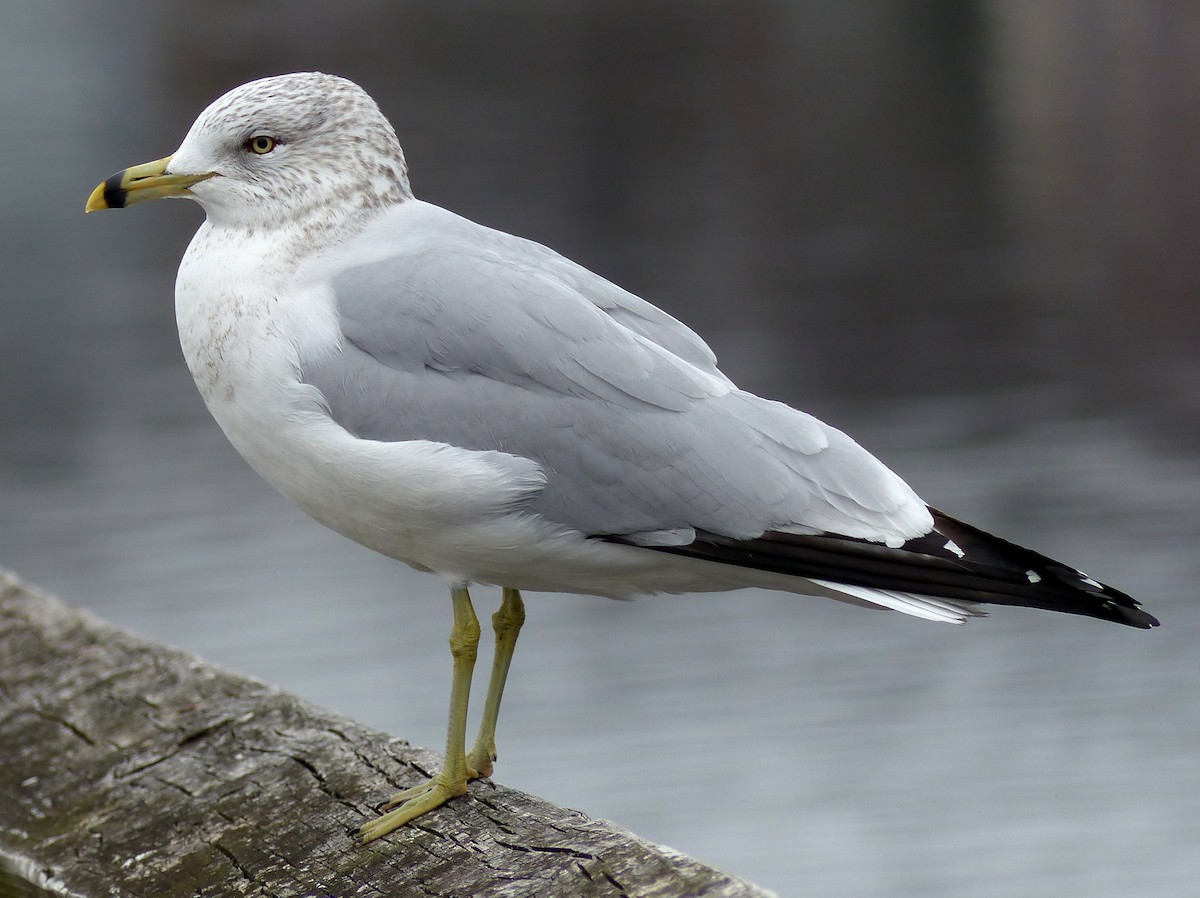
<point>481,408</point>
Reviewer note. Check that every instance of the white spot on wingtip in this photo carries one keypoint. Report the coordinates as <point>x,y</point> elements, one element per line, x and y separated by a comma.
<point>953,547</point>
<point>1033,576</point>
<point>1090,582</point>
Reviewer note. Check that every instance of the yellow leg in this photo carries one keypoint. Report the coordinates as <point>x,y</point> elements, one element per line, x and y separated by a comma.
<point>452,781</point>
<point>507,624</point>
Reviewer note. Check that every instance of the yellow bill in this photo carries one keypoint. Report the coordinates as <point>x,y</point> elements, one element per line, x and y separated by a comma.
<point>148,181</point>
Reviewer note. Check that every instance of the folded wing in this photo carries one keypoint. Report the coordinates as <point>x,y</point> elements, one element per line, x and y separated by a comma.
<point>457,334</point>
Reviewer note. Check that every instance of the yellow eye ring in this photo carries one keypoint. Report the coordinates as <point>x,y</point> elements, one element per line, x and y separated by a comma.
<point>261,144</point>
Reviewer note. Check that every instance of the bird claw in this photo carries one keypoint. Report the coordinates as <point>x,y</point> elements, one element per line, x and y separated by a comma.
<point>480,761</point>
<point>398,798</point>
<point>408,805</point>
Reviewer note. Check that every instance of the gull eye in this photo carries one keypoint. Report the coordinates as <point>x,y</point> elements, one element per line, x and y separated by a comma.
<point>261,144</point>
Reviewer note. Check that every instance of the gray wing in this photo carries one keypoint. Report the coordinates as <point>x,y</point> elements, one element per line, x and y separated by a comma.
<point>631,311</point>
<point>483,345</point>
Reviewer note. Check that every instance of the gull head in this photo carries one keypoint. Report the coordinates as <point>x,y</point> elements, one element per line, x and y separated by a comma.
<point>276,152</point>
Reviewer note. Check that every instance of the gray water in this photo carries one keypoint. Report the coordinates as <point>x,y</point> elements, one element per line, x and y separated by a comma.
<point>963,232</point>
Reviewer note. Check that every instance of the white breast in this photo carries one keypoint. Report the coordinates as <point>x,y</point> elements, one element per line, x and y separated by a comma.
<point>243,329</point>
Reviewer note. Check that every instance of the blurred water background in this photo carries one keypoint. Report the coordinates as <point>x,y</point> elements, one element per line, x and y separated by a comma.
<point>963,231</point>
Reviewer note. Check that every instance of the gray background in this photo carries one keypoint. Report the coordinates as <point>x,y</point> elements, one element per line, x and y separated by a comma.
<point>963,231</point>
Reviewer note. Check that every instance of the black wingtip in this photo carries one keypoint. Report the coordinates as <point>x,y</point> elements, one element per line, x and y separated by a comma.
<point>1132,616</point>
<point>1053,585</point>
<point>953,560</point>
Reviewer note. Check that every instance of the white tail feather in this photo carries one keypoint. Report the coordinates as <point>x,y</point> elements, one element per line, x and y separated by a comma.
<point>950,611</point>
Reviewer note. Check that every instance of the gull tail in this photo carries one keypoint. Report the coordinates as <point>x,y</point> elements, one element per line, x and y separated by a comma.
<point>943,575</point>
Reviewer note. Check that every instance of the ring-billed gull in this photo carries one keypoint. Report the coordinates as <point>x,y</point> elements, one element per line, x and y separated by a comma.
<point>477,406</point>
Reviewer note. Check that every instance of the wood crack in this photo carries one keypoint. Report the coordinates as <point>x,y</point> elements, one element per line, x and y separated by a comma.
<point>245,873</point>
<point>549,849</point>
<point>64,723</point>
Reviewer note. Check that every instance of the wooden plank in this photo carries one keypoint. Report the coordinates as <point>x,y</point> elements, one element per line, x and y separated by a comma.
<point>130,768</point>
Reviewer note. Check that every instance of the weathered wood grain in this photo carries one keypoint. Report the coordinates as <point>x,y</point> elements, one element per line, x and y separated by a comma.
<point>130,768</point>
